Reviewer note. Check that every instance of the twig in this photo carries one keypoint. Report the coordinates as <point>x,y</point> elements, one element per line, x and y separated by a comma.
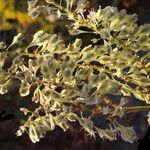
<point>137,109</point>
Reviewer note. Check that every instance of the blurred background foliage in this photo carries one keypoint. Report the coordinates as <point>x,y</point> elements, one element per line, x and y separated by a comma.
<point>13,19</point>
<point>13,12</point>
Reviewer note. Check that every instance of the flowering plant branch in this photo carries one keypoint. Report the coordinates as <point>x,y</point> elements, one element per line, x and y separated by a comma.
<point>68,80</point>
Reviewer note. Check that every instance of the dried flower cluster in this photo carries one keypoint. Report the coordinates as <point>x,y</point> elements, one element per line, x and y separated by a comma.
<point>67,81</point>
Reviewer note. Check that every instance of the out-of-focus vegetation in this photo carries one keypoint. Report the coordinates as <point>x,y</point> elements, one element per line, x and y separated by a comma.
<point>13,15</point>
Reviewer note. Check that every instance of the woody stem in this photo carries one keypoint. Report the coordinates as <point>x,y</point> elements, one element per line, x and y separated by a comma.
<point>137,109</point>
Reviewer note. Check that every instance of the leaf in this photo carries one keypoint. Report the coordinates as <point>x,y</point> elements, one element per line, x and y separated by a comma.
<point>59,14</point>
<point>109,12</point>
<point>105,33</point>
<point>143,39</point>
<point>70,4</point>
<point>113,88</point>
<point>34,10</point>
<point>106,133</point>
<point>45,122</point>
<point>51,121</point>
<point>60,121</point>
<point>4,82</point>
<point>3,57</point>
<point>132,18</point>
<point>32,3</point>
<point>33,133</point>
<point>55,106</point>
<point>77,44</point>
<point>81,3</point>
<point>24,89</point>
<point>141,94</point>
<point>127,133</point>
<point>49,1</point>
<point>125,91</point>
<point>114,23</point>
<point>88,100</point>
<point>75,31</point>
<point>95,80</point>
<point>3,88</point>
<point>87,125</point>
<point>16,40</point>
<point>142,81</point>
<point>24,110</point>
<point>71,116</point>
<point>145,29</point>
<point>20,131</point>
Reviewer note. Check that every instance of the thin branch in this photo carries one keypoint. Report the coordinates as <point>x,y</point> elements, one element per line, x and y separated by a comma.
<point>137,109</point>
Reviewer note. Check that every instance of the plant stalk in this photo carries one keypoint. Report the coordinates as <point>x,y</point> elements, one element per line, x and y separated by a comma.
<point>134,109</point>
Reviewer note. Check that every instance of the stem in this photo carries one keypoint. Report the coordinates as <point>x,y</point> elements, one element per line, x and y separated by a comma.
<point>131,109</point>
<point>137,109</point>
